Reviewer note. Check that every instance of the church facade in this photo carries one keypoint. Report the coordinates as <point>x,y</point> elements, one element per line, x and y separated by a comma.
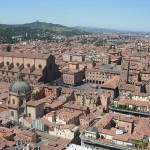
<point>34,67</point>
<point>21,102</point>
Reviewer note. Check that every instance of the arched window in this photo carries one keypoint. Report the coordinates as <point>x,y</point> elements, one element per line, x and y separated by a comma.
<point>12,113</point>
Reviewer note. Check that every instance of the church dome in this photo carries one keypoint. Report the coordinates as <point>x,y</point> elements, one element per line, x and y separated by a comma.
<point>20,87</point>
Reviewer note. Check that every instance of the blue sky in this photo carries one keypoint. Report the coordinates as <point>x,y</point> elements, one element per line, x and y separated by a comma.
<point>114,14</point>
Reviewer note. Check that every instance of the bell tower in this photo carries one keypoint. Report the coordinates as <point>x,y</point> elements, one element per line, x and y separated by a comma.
<point>125,68</point>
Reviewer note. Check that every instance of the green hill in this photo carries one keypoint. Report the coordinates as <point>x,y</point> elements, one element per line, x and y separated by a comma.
<point>35,31</point>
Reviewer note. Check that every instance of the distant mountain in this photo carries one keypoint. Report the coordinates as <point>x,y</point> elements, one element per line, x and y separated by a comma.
<point>96,30</point>
<point>103,30</point>
<point>36,30</point>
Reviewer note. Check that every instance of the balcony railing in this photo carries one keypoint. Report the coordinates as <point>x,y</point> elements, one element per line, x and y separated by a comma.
<point>129,111</point>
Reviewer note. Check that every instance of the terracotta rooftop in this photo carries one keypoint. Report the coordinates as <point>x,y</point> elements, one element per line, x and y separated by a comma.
<point>74,106</point>
<point>36,102</point>
<point>25,55</point>
<point>112,83</point>
<point>28,133</point>
<point>134,102</point>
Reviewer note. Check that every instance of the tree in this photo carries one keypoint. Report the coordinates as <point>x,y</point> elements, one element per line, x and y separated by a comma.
<point>140,144</point>
<point>102,137</point>
<point>127,107</point>
<point>134,108</point>
<point>112,104</point>
<point>98,44</point>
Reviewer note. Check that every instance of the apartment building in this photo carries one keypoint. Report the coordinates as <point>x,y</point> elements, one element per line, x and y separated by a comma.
<point>73,77</point>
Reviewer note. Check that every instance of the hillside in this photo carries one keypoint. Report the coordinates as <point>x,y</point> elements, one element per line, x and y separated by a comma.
<point>36,30</point>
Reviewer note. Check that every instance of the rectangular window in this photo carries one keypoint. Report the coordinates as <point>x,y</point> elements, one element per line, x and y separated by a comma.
<point>13,101</point>
<point>29,115</point>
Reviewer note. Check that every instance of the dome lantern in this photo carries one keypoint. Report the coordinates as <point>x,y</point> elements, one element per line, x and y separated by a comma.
<point>20,76</point>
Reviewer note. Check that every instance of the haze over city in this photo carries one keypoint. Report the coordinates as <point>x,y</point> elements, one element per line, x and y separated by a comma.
<point>130,15</point>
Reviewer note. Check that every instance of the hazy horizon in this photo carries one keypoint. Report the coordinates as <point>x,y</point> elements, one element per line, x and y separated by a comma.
<point>108,14</point>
